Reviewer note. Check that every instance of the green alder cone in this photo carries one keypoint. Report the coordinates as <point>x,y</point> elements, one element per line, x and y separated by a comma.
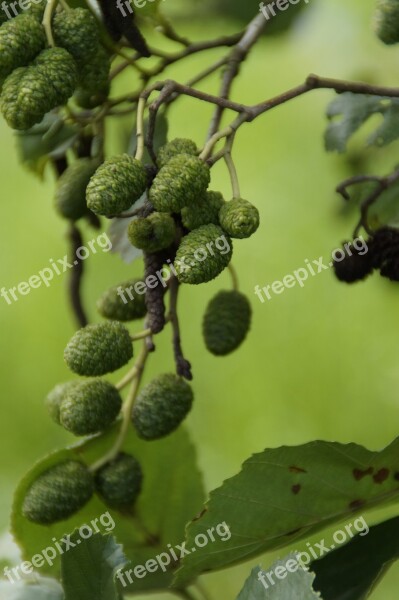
<point>70,195</point>
<point>119,482</point>
<point>226,322</point>
<point>35,10</point>
<point>111,304</point>
<point>203,254</point>
<point>239,218</point>
<point>76,31</point>
<point>386,21</point>
<point>25,98</point>
<point>153,233</point>
<point>56,397</point>
<point>116,185</point>
<point>21,39</point>
<point>162,405</point>
<point>98,349</point>
<point>175,147</point>
<point>60,71</point>
<point>58,493</point>
<point>90,407</point>
<point>94,85</point>
<point>179,183</point>
<point>205,211</point>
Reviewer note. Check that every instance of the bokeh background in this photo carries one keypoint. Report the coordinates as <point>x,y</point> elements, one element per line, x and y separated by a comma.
<point>321,362</point>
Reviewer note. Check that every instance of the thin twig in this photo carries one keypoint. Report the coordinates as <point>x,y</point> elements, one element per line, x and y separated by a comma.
<point>76,275</point>
<point>383,183</point>
<point>183,366</point>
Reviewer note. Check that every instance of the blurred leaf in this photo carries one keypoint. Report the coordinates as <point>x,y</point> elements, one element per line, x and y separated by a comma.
<point>172,494</point>
<point>50,138</point>
<point>287,493</point>
<point>295,586</point>
<point>88,571</point>
<point>354,110</point>
<point>42,589</point>
<point>351,571</point>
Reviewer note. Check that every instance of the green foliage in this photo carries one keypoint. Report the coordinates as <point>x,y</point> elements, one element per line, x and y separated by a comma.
<point>152,233</point>
<point>119,482</point>
<point>58,493</point>
<point>88,572</point>
<point>239,218</point>
<point>226,322</point>
<point>111,305</point>
<point>98,349</point>
<point>277,486</point>
<point>295,586</point>
<point>162,406</point>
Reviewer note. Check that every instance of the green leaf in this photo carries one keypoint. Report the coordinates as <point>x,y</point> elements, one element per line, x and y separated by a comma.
<point>388,131</point>
<point>88,570</point>
<point>42,589</point>
<point>287,493</point>
<point>352,571</point>
<point>172,494</point>
<point>296,585</point>
<point>49,139</point>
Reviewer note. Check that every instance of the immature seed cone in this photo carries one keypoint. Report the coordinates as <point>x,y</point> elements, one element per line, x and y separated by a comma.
<point>25,98</point>
<point>56,397</point>
<point>204,211</point>
<point>59,69</point>
<point>119,482</point>
<point>13,10</point>
<point>386,21</point>
<point>179,183</point>
<point>162,406</point>
<point>226,322</point>
<point>385,255</point>
<point>354,267</point>
<point>116,185</point>
<point>153,233</point>
<point>98,349</point>
<point>21,39</point>
<point>70,196</point>
<point>239,218</point>
<point>175,147</point>
<point>76,30</point>
<point>90,407</point>
<point>203,254</point>
<point>94,84</point>
<point>58,493</point>
<point>122,302</point>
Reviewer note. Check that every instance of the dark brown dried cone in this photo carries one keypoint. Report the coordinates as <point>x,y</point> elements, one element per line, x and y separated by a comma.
<point>154,298</point>
<point>386,252</point>
<point>355,266</point>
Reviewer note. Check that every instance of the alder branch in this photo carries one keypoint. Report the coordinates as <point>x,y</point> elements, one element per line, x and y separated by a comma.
<point>75,278</point>
<point>183,366</point>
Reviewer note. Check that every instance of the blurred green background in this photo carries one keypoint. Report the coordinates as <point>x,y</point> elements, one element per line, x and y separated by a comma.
<point>321,362</point>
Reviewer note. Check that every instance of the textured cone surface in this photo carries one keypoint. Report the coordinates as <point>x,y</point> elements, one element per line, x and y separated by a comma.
<point>239,218</point>
<point>226,322</point>
<point>70,196</point>
<point>76,31</point>
<point>25,98</point>
<point>21,39</point>
<point>354,267</point>
<point>56,397</point>
<point>153,233</point>
<point>98,349</point>
<point>385,252</point>
<point>59,69</point>
<point>175,147</point>
<point>94,85</point>
<point>90,407</point>
<point>198,263</point>
<point>179,183</point>
<point>386,21</point>
<point>162,406</point>
<point>119,482</point>
<point>58,493</point>
<point>111,305</point>
<point>204,211</point>
<point>116,185</point>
